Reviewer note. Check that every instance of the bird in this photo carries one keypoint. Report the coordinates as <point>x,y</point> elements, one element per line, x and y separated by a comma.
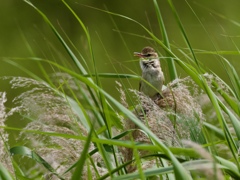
<point>152,75</point>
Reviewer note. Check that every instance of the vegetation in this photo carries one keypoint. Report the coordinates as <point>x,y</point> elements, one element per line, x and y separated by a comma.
<point>73,129</point>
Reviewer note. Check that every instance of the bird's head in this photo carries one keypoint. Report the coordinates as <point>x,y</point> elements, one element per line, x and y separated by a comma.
<point>147,53</point>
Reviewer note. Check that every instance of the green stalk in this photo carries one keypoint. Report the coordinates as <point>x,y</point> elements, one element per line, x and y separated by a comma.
<point>170,62</point>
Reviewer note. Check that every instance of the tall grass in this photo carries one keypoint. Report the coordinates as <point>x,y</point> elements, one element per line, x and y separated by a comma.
<point>77,130</point>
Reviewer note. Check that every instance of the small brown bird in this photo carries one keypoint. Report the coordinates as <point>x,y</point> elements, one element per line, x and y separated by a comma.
<point>151,72</point>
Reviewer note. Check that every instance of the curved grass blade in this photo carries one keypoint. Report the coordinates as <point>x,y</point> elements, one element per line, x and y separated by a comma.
<point>234,120</point>
<point>214,129</point>
<point>233,103</point>
<point>25,151</point>
<point>229,167</point>
<point>78,64</point>
<point>234,79</point>
<point>4,173</point>
<point>72,55</point>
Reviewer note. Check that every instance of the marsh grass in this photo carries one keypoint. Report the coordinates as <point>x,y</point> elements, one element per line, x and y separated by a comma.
<point>77,130</point>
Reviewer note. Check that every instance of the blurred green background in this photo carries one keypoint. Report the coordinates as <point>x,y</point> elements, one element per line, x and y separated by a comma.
<point>24,33</point>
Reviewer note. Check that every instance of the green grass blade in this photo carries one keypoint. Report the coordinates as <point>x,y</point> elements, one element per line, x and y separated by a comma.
<point>80,67</point>
<point>183,32</point>
<point>4,173</point>
<point>24,151</point>
<point>234,120</point>
<point>218,132</point>
<point>147,173</point>
<point>83,157</point>
<point>234,79</point>
<point>170,62</point>
<point>230,140</point>
<point>229,167</point>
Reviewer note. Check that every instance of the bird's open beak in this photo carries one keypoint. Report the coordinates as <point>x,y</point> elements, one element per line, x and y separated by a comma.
<point>138,54</point>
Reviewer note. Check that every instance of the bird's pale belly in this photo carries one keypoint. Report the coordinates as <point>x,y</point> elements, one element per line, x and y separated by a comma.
<point>155,87</point>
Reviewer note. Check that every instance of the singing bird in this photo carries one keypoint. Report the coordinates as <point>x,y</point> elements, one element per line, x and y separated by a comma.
<point>151,72</point>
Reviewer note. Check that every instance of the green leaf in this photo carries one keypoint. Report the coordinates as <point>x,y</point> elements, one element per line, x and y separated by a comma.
<point>24,151</point>
<point>4,173</point>
<point>171,66</point>
<point>83,157</point>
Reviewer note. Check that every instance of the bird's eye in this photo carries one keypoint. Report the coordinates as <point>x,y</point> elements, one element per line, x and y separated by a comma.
<point>148,55</point>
